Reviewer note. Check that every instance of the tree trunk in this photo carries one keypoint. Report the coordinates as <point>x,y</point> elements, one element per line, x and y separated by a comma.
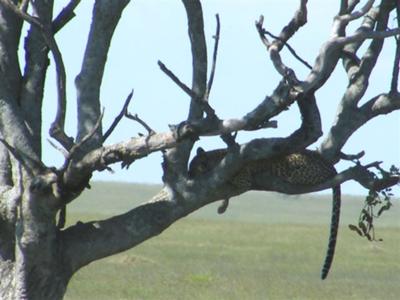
<point>18,285</point>
<point>36,270</point>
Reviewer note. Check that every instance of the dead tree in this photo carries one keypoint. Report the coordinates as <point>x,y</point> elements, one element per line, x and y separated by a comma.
<point>37,257</point>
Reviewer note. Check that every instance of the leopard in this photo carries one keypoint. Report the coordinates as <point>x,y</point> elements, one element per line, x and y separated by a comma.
<point>302,168</point>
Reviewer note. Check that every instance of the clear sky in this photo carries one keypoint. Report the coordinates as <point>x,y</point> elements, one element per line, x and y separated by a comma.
<point>152,30</point>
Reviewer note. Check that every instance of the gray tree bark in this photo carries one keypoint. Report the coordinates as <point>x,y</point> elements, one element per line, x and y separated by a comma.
<point>37,257</point>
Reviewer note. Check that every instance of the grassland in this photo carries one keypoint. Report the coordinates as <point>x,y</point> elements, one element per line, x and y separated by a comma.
<point>266,246</point>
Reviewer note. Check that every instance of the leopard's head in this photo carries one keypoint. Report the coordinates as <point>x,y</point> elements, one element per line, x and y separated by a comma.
<point>205,161</point>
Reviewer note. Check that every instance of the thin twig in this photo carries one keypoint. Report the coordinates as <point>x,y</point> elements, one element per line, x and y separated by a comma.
<point>62,150</point>
<point>352,157</point>
<point>290,48</point>
<point>175,79</point>
<point>119,117</point>
<point>136,118</point>
<point>206,106</point>
<point>66,14</point>
<point>214,61</point>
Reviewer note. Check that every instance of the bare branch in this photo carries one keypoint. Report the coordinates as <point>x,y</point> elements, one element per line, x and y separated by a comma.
<point>290,48</point>
<point>105,18</point>
<point>299,19</point>
<point>119,233</point>
<point>352,5</point>
<point>350,59</point>
<point>57,127</point>
<point>99,159</point>
<point>119,117</point>
<point>360,36</point>
<point>343,6</point>
<point>358,14</point>
<point>175,79</point>
<point>61,150</point>
<point>352,157</point>
<point>352,119</point>
<point>21,13</point>
<point>214,62</point>
<point>395,73</point>
<point>198,45</point>
<point>202,102</point>
<point>136,118</point>
<point>396,63</point>
<point>274,55</point>
<point>65,15</point>
<point>261,32</point>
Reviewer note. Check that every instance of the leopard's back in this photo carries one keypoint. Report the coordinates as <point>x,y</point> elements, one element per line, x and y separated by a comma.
<point>300,168</point>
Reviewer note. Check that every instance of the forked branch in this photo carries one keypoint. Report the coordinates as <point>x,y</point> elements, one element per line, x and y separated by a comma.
<point>119,117</point>
<point>57,127</point>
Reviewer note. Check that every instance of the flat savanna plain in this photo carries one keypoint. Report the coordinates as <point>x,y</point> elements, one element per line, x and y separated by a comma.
<point>266,246</point>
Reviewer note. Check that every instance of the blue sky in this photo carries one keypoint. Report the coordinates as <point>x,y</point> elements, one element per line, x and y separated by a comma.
<point>152,30</point>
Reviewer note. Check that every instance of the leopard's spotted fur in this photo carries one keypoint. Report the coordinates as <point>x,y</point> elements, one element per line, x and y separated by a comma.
<point>301,168</point>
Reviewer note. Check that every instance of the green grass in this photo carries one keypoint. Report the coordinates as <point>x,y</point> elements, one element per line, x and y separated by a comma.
<point>265,246</point>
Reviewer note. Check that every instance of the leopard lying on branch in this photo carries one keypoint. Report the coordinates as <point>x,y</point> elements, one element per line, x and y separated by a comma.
<point>305,168</point>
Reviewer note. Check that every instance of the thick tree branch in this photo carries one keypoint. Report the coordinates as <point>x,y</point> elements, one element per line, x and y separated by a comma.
<point>396,63</point>
<point>199,55</point>
<point>97,160</point>
<point>98,239</point>
<point>351,16</point>
<point>350,60</point>
<point>36,66</point>
<point>175,160</point>
<point>10,81</point>
<point>16,136</point>
<point>350,117</point>
<point>106,16</point>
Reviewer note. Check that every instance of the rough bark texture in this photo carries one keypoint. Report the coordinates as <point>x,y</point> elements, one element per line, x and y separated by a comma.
<point>37,258</point>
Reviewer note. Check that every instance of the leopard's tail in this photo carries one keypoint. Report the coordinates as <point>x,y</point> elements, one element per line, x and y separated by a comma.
<point>333,231</point>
